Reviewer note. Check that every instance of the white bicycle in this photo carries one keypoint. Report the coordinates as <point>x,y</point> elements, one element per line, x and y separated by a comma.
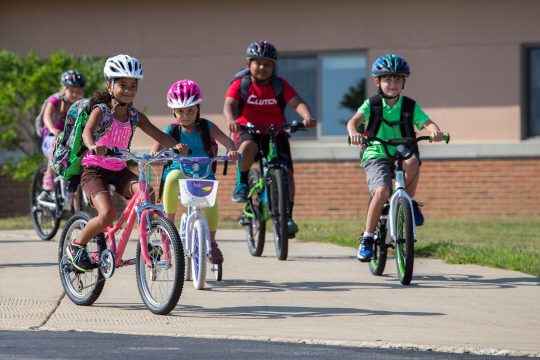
<point>195,193</point>
<point>397,214</point>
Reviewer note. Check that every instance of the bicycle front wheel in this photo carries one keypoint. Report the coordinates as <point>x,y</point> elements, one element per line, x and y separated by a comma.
<point>83,288</point>
<point>198,257</point>
<point>161,282</point>
<point>43,207</point>
<point>378,262</point>
<point>256,228</point>
<point>279,214</point>
<point>404,241</point>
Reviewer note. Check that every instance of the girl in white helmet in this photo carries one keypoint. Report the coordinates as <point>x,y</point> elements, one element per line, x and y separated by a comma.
<point>185,97</point>
<point>112,122</point>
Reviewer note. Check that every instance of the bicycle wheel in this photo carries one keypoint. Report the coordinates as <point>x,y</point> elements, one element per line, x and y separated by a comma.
<point>404,241</point>
<point>82,205</point>
<point>279,214</point>
<point>160,284</point>
<point>187,261</point>
<point>256,229</point>
<point>217,269</point>
<point>43,207</point>
<point>198,257</point>
<point>378,262</point>
<point>83,288</point>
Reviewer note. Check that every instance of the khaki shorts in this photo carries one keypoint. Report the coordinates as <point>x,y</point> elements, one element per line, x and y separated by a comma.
<point>95,180</point>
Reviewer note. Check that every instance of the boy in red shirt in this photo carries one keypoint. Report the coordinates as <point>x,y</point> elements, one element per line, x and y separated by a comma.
<point>262,108</point>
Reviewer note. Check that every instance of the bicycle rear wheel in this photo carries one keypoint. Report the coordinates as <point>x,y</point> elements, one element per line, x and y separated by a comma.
<point>160,284</point>
<point>378,262</point>
<point>404,241</point>
<point>256,229</point>
<point>43,207</point>
<point>198,257</point>
<point>279,214</point>
<point>83,288</point>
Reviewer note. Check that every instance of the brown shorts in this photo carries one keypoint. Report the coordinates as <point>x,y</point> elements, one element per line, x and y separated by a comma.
<point>95,180</point>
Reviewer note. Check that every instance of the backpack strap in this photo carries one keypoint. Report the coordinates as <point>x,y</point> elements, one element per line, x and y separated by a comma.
<point>375,116</point>
<point>245,83</point>
<point>406,119</point>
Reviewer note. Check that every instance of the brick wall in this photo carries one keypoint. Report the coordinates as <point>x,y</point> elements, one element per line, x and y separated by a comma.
<point>458,188</point>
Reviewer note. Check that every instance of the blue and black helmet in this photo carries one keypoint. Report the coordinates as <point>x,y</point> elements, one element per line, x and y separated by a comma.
<point>262,49</point>
<point>73,78</point>
<point>390,64</point>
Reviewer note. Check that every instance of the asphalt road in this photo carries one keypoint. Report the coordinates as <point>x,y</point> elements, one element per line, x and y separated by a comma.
<point>320,296</point>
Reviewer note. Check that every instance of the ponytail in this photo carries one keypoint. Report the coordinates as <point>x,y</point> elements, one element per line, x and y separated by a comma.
<point>102,97</point>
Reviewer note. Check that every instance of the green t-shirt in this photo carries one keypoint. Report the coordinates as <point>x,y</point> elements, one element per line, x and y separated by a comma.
<point>389,132</point>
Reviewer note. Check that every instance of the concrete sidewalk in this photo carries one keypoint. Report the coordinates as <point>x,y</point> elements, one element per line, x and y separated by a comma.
<point>321,294</point>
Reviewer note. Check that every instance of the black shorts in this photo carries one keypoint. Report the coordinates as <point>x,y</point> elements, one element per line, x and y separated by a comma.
<point>263,141</point>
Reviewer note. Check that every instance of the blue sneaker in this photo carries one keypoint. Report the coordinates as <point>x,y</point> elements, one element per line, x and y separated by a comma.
<point>293,228</point>
<point>418,217</point>
<point>365,252</point>
<point>239,194</point>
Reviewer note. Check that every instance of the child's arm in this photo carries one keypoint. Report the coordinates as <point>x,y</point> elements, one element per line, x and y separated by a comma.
<point>47,119</point>
<point>229,109</point>
<point>94,120</point>
<point>156,148</point>
<point>352,125</point>
<point>158,135</point>
<point>225,141</point>
<point>436,133</point>
<point>300,106</point>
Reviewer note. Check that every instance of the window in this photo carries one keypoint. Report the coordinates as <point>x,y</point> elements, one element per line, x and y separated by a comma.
<point>533,92</point>
<point>333,86</point>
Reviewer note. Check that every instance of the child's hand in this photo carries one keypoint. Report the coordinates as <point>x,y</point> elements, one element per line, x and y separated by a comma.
<point>233,155</point>
<point>234,127</point>
<point>182,148</point>
<point>437,136</point>
<point>153,153</point>
<point>55,132</point>
<point>309,123</point>
<point>99,150</point>
<point>356,138</point>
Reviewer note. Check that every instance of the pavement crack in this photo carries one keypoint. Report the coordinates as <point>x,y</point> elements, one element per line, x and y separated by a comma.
<point>56,305</point>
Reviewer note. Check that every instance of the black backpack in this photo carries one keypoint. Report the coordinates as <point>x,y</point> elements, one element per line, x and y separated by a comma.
<point>245,83</point>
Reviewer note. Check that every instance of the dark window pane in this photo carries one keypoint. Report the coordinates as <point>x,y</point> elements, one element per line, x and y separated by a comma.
<point>534,92</point>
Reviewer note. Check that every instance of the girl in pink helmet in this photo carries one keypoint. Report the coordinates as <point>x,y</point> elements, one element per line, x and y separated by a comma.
<point>184,97</point>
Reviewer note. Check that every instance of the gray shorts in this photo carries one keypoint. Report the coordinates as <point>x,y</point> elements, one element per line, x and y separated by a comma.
<point>379,172</point>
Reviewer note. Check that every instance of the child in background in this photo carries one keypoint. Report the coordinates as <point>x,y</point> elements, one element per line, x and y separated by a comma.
<point>73,84</point>
<point>112,122</point>
<point>185,97</point>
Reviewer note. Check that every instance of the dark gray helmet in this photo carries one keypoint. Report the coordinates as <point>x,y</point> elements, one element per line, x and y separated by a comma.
<point>262,49</point>
<point>73,78</point>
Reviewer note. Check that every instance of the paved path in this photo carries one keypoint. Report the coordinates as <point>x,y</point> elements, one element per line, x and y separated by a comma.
<point>322,294</point>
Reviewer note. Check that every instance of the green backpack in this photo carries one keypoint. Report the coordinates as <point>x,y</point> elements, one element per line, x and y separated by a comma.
<point>69,148</point>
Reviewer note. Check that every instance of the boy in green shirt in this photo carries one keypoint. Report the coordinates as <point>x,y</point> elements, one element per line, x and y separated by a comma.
<point>390,73</point>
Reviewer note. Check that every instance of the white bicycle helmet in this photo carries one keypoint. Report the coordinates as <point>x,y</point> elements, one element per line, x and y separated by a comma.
<point>123,66</point>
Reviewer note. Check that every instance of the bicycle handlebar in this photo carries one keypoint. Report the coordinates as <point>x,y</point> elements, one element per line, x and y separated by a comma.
<point>292,127</point>
<point>172,155</point>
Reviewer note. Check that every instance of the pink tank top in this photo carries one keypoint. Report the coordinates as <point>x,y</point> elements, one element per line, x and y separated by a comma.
<point>118,135</point>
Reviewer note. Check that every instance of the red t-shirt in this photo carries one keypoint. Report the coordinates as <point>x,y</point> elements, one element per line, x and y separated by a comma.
<point>261,106</point>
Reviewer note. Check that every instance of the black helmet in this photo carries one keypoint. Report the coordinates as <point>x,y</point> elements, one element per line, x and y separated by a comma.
<point>73,78</point>
<point>262,49</point>
<point>390,64</point>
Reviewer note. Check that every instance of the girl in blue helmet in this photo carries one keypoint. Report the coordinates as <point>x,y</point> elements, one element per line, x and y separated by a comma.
<point>390,73</point>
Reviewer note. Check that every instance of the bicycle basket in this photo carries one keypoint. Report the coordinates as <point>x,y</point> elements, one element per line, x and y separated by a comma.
<point>200,193</point>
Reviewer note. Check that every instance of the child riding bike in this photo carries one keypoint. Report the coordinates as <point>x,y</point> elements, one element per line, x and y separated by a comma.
<point>185,97</point>
<point>389,120</point>
<point>262,108</point>
<point>54,114</point>
<point>112,122</point>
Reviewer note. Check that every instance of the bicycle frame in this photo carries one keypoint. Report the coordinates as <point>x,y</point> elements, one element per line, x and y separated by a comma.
<point>399,192</point>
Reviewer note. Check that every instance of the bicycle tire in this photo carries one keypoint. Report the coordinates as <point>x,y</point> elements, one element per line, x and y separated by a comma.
<point>161,284</point>
<point>45,221</point>
<point>75,282</point>
<point>81,205</point>
<point>256,229</point>
<point>198,256</point>
<point>279,214</point>
<point>404,241</point>
<point>218,271</point>
<point>380,251</point>
<point>187,260</point>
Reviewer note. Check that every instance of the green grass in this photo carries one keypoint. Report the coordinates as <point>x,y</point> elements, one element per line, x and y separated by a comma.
<point>501,243</point>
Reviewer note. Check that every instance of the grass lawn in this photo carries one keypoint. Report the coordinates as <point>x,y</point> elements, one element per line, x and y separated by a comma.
<point>502,243</point>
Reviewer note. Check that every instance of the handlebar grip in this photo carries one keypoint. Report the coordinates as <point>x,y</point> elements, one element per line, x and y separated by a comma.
<point>112,151</point>
<point>225,157</point>
<point>446,138</point>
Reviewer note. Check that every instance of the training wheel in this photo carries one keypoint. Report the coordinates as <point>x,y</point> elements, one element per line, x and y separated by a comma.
<point>217,269</point>
<point>108,263</point>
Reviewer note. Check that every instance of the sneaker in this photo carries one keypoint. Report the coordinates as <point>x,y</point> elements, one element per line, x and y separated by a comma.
<point>239,194</point>
<point>365,252</point>
<point>418,217</point>
<point>215,256</point>
<point>48,183</point>
<point>79,257</point>
<point>293,228</point>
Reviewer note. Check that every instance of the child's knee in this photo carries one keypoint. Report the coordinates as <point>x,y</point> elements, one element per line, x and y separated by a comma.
<point>107,217</point>
<point>382,192</point>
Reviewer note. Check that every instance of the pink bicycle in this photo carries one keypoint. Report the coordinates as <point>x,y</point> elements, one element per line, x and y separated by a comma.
<point>159,258</point>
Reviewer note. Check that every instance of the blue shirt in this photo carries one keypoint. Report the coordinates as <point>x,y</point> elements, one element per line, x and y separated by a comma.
<point>196,145</point>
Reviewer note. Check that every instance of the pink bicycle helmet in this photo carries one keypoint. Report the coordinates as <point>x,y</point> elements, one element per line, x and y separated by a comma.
<point>184,93</point>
